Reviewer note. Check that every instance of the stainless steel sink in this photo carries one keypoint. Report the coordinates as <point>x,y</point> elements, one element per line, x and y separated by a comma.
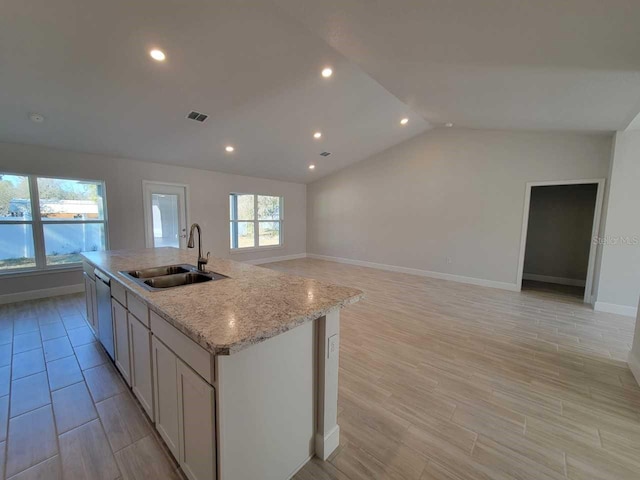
<point>159,271</point>
<point>170,276</point>
<point>169,281</point>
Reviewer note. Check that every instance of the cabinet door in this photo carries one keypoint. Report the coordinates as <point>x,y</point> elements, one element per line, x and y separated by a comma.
<point>196,422</point>
<point>90,298</point>
<point>165,394</point>
<point>121,340</point>
<point>141,376</point>
<point>94,304</point>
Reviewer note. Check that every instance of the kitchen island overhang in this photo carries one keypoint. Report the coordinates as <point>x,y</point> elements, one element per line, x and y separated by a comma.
<point>273,341</point>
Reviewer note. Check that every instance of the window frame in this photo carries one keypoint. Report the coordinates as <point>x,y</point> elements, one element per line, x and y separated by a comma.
<point>256,224</point>
<point>37,226</point>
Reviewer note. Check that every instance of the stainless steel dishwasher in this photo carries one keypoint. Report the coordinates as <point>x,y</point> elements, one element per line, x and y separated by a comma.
<point>105,320</point>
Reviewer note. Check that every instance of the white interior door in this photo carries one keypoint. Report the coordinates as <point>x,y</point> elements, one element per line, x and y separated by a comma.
<point>165,212</point>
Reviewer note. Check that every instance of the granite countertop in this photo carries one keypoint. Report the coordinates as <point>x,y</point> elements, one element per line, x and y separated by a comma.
<point>226,316</point>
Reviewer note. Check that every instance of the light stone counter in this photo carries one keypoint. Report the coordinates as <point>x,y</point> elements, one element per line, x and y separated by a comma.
<point>226,316</point>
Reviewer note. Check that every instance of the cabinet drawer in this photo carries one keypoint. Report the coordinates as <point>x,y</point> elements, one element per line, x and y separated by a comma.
<point>138,308</point>
<point>118,292</point>
<point>189,351</point>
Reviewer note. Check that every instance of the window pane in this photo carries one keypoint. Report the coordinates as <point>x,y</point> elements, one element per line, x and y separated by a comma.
<point>244,205</point>
<point>16,247</point>
<point>70,199</point>
<point>243,234</point>
<point>64,242</point>
<point>269,233</point>
<point>166,224</point>
<point>268,208</point>
<point>15,200</point>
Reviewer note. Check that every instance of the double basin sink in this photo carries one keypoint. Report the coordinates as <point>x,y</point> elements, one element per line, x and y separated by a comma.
<point>159,278</point>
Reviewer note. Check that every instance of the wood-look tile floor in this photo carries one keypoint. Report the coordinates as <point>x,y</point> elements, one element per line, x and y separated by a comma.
<point>65,413</point>
<point>446,381</point>
<point>438,380</point>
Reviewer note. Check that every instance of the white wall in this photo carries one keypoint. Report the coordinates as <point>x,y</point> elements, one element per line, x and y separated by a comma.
<point>209,204</point>
<point>455,193</point>
<point>619,285</point>
<point>559,231</point>
<point>634,355</point>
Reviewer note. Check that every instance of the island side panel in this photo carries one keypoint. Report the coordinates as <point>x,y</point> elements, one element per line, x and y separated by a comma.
<point>328,431</point>
<point>266,406</point>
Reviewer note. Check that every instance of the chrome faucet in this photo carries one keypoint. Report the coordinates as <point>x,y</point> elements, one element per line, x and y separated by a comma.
<point>202,261</point>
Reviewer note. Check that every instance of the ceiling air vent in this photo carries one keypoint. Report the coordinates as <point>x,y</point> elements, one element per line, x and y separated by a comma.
<point>197,116</point>
<point>325,154</point>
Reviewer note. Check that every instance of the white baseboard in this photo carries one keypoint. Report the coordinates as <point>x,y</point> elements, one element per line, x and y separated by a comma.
<point>615,308</point>
<point>326,444</point>
<point>634,366</point>
<point>44,293</point>
<point>422,273</point>
<point>557,280</point>
<point>260,261</point>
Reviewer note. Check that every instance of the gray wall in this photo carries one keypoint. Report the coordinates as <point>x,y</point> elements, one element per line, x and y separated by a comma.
<point>209,203</point>
<point>455,193</point>
<point>559,231</point>
<point>634,355</point>
<point>620,265</point>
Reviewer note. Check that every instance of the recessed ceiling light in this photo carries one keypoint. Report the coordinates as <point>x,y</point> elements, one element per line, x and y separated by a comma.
<point>327,72</point>
<point>229,148</point>
<point>404,121</point>
<point>157,55</point>
<point>312,167</point>
<point>448,125</point>
<point>317,135</point>
<point>36,117</point>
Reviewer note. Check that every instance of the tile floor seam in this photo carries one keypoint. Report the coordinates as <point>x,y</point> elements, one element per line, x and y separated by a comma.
<point>33,466</point>
<point>50,405</point>
<point>61,465</point>
<point>99,418</point>
<point>61,388</point>
<point>6,443</point>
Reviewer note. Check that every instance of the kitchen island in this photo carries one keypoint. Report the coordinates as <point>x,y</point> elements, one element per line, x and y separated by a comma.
<point>239,375</point>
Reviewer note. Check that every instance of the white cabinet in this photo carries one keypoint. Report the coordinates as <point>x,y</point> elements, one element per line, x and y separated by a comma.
<point>184,413</point>
<point>91,301</point>
<point>141,372</point>
<point>196,422</point>
<point>121,339</point>
<point>165,371</point>
<point>168,373</point>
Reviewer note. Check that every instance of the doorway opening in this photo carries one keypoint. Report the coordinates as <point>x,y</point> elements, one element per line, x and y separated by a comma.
<point>165,214</point>
<point>561,220</point>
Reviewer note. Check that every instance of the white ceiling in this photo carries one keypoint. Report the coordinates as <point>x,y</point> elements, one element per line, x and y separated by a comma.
<point>512,64</point>
<point>254,68</point>
<point>84,65</point>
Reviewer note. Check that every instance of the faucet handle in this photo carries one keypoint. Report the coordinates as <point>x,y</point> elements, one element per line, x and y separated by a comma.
<point>202,261</point>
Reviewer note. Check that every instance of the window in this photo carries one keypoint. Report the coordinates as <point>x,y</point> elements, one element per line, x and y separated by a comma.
<point>256,221</point>
<point>46,222</point>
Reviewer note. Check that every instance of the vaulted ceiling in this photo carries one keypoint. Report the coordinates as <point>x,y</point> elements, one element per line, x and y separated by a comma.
<point>254,67</point>
<point>526,64</point>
